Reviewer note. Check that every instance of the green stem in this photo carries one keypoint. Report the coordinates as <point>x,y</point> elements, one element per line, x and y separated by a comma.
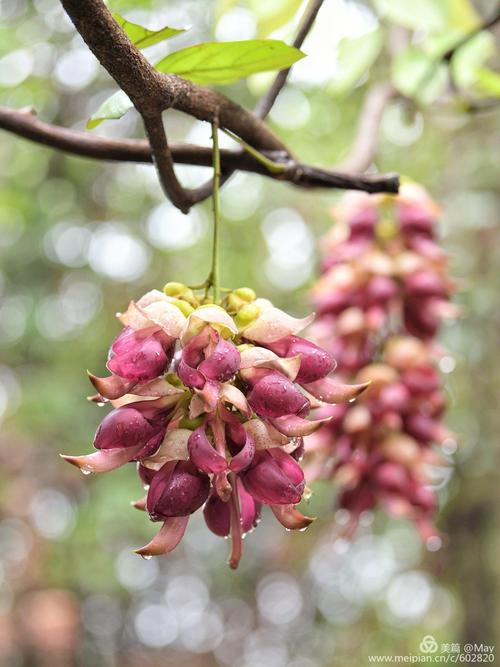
<point>214,274</point>
<point>273,167</point>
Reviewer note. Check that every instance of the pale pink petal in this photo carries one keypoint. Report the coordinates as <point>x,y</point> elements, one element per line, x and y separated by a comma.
<point>173,448</point>
<point>261,357</point>
<point>293,426</point>
<point>213,315</point>
<point>264,435</point>
<point>167,538</point>
<point>231,394</point>
<point>273,324</point>
<point>329,391</point>
<point>103,460</point>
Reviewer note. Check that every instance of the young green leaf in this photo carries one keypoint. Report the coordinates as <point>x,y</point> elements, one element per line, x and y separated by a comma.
<point>114,107</point>
<point>355,55</point>
<point>430,15</point>
<point>418,75</point>
<point>144,37</point>
<point>226,62</point>
<point>467,65</point>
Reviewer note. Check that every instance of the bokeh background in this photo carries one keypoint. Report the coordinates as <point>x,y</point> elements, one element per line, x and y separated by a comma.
<point>78,239</point>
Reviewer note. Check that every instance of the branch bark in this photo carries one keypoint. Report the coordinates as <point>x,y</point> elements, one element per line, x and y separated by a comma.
<point>25,124</point>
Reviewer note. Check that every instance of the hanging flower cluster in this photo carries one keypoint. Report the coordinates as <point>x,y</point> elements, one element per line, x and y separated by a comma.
<point>381,297</point>
<point>212,403</point>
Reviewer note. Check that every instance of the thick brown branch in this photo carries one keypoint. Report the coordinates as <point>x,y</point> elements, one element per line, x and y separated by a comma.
<point>266,103</point>
<point>25,124</point>
<point>151,91</point>
<point>363,150</point>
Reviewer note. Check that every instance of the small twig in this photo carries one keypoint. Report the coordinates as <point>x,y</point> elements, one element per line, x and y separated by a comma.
<point>485,25</point>
<point>364,146</point>
<point>270,165</point>
<point>266,103</point>
<point>214,273</point>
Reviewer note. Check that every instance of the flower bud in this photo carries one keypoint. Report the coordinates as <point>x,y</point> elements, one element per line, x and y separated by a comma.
<point>274,479</point>
<point>139,357</point>
<point>274,395</point>
<point>315,363</point>
<point>177,489</point>
<point>127,428</point>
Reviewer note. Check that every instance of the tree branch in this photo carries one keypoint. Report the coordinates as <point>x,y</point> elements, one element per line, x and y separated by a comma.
<point>485,25</point>
<point>364,146</point>
<point>25,124</point>
<point>266,103</point>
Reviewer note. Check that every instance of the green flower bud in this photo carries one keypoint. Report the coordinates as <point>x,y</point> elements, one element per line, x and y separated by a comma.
<point>245,293</point>
<point>247,315</point>
<point>184,307</point>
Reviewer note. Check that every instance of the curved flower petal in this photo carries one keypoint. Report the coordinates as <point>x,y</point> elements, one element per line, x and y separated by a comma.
<point>261,357</point>
<point>249,508</point>
<point>167,538</point>
<point>329,391</point>
<point>291,518</point>
<point>273,324</point>
<point>203,454</point>
<point>217,515</point>
<point>293,426</point>
<point>231,394</point>
<point>111,387</point>
<point>206,399</point>
<point>245,456</point>
<point>173,448</point>
<point>140,504</point>
<point>315,363</point>
<point>213,315</point>
<point>222,363</point>
<point>159,312</point>
<point>103,460</point>
<point>264,435</point>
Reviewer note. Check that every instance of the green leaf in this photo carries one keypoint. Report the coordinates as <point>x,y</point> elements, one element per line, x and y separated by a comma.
<point>143,37</point>
<point>225,62</point>
<point>418,75</point>
<point>355,55</point>
<point>488,81</point>
<point>114,107</point>
<point>470,58</point>
<point>430,15</point>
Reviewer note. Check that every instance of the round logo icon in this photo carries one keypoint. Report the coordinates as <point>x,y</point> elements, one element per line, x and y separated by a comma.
<point>428,644</point>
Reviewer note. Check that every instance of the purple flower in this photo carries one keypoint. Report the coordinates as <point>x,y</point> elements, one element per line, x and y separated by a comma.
<point>208,356</point>
<point>140,355</point>
<point>274,478</point>
<point>274,395</point>
<point>315,363</point>
<point>177,489</point>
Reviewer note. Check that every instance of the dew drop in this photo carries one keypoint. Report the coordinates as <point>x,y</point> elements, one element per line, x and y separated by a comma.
<point>434,543</point>
<point>352,400</point>
<point>303,530</point>
<point>87,469</point>
<point>146,556</point>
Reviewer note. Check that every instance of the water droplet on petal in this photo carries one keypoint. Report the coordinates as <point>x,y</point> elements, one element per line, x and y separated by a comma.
<point>87,469</point>
<point>434,543</point>
<point>146,556</point>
